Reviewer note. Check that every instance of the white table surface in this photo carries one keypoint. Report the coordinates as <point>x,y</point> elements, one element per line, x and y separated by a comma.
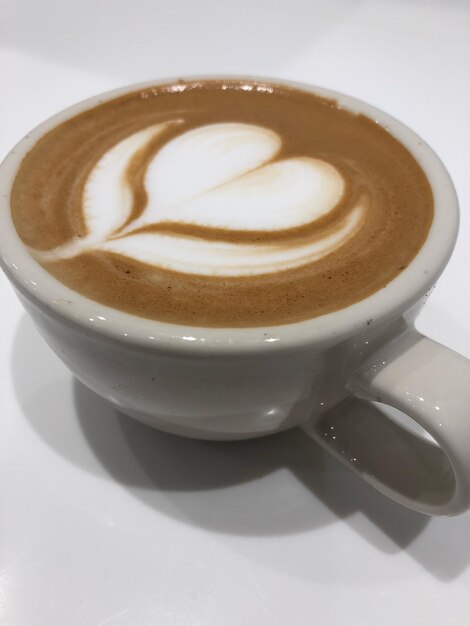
<point>104,521</point>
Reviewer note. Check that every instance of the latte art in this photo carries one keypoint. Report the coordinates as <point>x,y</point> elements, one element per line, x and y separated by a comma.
<point>218,176</point>
<point>222,203</point>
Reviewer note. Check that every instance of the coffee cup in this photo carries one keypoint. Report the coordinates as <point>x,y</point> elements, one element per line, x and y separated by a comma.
<point>320,374</point>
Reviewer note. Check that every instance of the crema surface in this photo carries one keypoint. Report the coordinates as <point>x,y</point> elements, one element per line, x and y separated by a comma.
<point>222,203</point>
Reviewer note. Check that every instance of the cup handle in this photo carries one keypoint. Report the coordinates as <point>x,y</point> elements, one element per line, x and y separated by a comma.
<point>431,384</point>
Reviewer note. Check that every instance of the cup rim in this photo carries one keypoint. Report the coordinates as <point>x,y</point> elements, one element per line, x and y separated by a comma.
<point>391,301</point>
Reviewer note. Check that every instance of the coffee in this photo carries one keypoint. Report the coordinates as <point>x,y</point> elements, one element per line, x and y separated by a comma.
<point>222,203</point>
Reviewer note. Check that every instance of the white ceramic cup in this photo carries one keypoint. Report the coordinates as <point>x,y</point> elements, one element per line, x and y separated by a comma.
<point>234,383</point>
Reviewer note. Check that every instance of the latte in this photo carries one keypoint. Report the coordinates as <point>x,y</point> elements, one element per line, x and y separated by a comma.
<point>222,203</point>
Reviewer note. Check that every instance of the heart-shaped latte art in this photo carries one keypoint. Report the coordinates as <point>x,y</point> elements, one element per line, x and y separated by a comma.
<point>218,176</point>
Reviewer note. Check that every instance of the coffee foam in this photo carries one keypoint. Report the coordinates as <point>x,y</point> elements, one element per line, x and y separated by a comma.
<point>217,176</point>
<point>212,204</point>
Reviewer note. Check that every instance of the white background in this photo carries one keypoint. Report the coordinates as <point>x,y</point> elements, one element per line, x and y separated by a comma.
<point>104,521</point>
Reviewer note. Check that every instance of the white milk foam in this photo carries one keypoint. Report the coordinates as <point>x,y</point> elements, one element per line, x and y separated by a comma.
<point>216,176</point>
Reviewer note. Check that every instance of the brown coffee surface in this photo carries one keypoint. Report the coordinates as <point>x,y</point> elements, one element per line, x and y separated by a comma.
<point>378,170</point>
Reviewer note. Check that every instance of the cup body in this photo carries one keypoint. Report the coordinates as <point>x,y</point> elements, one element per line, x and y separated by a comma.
<point>223,395</point>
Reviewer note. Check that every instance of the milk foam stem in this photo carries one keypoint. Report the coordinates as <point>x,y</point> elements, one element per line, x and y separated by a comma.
<point>190,255</point>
